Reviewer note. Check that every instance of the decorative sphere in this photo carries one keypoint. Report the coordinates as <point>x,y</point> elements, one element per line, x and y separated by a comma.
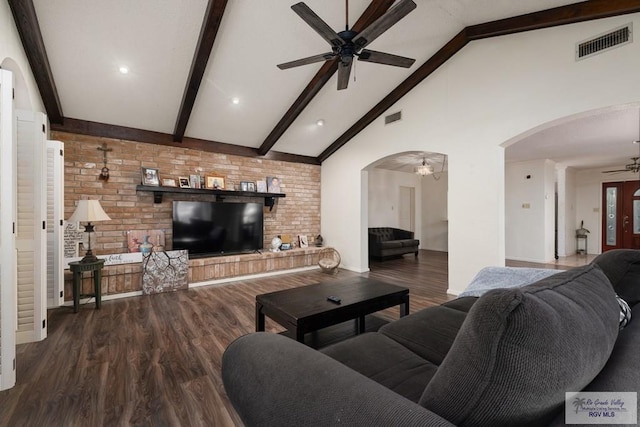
<point>275,244</point>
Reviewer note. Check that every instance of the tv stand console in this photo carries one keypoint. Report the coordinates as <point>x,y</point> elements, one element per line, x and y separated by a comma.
<point>158,192</point>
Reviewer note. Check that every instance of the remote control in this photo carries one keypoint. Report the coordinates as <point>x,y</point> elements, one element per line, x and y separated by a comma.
<point>333,299</point>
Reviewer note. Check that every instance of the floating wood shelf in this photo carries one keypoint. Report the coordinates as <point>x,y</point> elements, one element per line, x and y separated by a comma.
<point>158,192</point>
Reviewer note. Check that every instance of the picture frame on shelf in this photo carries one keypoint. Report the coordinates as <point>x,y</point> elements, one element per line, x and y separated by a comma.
<point>215,182</point>
<point>273,184</point>
<point>251,186</point>
<point>244,186</point>
<point>303,240</point>
<point>169,182</point>
<point>262,186</point>
<point>194,181</point>
<point>150,176</point>
<point>184,182</point>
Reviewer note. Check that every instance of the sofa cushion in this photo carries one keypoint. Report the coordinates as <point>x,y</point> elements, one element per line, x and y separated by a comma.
<point>408,243</point>
<point>429,332</point>
<point>625,312</point>
<point>390,244</point>
<point>381,233</point>
<point>462,303</point>
<point>386,362</point>
<point>520,349</point>
<point>622,267</point>
<point>621,372</point>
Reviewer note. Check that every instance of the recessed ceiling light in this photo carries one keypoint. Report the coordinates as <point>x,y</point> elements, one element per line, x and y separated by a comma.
<point>320,122</point>
<point>235,100</point>
<point>123,69</point>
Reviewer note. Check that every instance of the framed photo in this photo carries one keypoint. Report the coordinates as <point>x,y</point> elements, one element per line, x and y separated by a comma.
<point>303,240</point>
<point>244,186</point>
<point>262,186</point>
<point>251,186</point>
<point>273,184</point>
<point>184,182</point>
<point>169,182</point>
<point>215,182</point>
<point>194,180</point>
<point>150,176</point>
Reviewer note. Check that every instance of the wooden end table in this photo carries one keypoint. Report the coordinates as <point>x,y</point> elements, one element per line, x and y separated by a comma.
<point>306,309</point>
<point>77,268</point>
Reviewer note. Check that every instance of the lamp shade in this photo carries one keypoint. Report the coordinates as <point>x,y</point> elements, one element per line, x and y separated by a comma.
<point>89,211</point>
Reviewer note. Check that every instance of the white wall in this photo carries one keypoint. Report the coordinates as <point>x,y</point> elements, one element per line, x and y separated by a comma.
<point>384,198</point>
<point>13,58</point>
<point>486,96</point>
<point>435,224</point>
<point>430,205</point>
<point>530,211</point>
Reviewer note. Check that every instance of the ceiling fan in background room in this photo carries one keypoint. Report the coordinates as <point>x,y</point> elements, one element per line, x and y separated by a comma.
<point>635,165</point>
<point>631,167</point>
<point>347,44</point>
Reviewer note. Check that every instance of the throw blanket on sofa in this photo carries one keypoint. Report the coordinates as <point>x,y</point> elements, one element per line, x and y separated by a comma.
<point>504,277</point>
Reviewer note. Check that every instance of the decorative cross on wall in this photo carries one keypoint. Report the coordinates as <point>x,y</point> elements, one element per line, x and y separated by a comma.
<point>104,173</point>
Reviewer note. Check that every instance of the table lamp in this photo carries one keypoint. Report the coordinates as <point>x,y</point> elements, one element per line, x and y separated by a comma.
<point>89,211</point>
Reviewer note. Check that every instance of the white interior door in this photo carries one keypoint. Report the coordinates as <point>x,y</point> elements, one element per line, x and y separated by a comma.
<point>7,235</point>
<point>407,220</point>
<point>31,237</point>
<point>55,222</point>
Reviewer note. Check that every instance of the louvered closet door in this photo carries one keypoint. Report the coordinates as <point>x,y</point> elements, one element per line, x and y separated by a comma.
<point>31,240</point>
<point>55,215</point>
<point>7,239</point>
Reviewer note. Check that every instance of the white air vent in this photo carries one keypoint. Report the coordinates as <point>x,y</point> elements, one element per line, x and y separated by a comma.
<point>393,117</point>
<point>604,42</point>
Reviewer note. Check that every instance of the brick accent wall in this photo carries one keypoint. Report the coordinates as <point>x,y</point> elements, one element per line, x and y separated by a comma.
<point>297,213</point>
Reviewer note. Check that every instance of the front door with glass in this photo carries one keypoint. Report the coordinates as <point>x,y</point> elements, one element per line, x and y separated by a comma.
<point>621,219</point>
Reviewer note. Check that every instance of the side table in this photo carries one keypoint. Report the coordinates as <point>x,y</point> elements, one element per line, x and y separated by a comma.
<point>77,268</point>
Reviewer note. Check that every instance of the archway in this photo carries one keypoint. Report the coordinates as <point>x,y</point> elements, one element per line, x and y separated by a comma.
<point>571,154</point>
<point>22,99</point>
<point>399,197</point>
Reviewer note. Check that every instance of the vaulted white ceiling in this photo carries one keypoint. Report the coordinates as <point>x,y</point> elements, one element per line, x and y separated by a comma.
<point>87,41</point>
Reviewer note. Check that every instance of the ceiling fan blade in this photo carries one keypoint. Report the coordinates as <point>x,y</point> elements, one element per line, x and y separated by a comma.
<point>315,22</point>
<point>385,58</point>
<point>382,24</point>
<point>344,70</point>
<point>305,61</point>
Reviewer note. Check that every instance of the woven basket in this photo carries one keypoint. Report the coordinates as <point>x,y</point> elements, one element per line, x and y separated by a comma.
<point>329,261</point>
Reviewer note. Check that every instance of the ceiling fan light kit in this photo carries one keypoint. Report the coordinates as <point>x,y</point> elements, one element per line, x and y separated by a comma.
<point>347,44</point>
<point>424,169</point>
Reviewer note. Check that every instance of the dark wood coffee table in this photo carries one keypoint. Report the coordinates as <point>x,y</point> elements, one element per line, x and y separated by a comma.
<point>306,309</point>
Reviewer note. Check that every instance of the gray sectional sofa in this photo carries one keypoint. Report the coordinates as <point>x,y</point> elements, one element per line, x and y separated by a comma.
<point>385,242</point>
<point>502,359</point>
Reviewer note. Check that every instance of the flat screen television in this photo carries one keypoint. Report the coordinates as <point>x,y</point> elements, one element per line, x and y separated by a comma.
<point>214,228</point>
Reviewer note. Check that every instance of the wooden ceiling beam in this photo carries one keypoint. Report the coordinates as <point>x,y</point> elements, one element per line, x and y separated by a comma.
<point>208,33</point>
<point>376,9</point>
<point>24,15</point>
<point>570,14</point>
<point>84,127</point>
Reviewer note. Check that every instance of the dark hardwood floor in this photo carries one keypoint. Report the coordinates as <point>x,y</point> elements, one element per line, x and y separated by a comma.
<point>155,360</point>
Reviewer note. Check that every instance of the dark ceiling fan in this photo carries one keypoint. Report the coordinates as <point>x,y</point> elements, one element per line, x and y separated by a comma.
<point>347,44</point>
<point>631,167</point>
